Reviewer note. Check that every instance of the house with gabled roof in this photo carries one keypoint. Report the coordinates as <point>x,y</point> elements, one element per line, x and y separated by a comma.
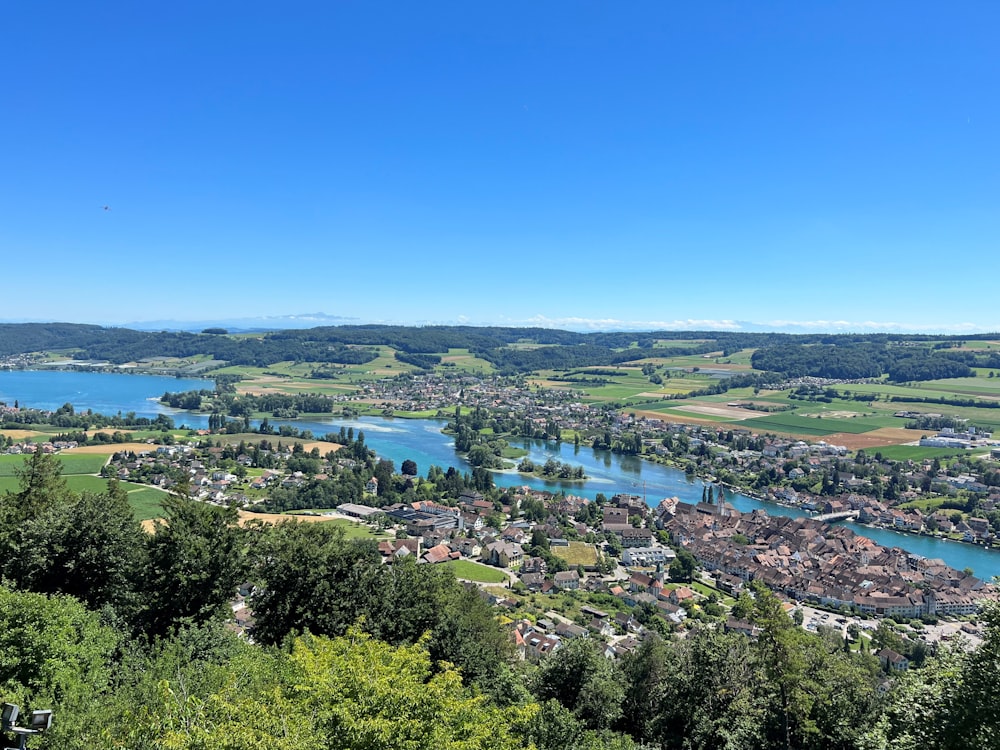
<point>567,580</point>
<point>504,555</point>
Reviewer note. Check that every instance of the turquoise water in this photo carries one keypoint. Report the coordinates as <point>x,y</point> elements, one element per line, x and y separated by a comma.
<point>421,440</point>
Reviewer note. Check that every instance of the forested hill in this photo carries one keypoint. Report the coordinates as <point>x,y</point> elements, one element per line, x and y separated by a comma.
<point>851,360</point>
<point>512,350</point>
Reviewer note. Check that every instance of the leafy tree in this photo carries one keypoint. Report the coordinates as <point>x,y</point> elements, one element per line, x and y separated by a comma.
<point>819,696</point>
<point>582,680</point>
<point>348,693</point>
<point>712,697</point>
<point>646,673</point>
<point>41,486</point>
<point>683,567</point>
<point>468,635</point>
<point>90,547</point>
<point>744,606</point>
<point>886,636</point>
<point>951,703</point>
<point>977,710</point>
<point>196,559</point>
<point>407,600</point>
<point>312,579</point>
<point>53,654</point>
<point>367,694</point>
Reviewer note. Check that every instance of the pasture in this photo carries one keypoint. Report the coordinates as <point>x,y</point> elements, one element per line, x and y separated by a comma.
<point>351,529</point>
<point>473,571</point>
<point>463,360</point>
<point>917,452</point>
<point>577,553</point>
<point>79,472</point>
<point>71,463</point>
<point>146,501</point>
<point>679,343</point>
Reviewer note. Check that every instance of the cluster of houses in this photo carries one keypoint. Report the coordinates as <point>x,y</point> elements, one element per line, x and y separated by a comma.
<point>794,460</point>
<point>534,640</point>
<point>874,512</point>
<point>810,561</point>
<point>439,532</point>
<point>164,466</point>
<point>736,448</point>
<point>430,391</point>
<point>24,448</point>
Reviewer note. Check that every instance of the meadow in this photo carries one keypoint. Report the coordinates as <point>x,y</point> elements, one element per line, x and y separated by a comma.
<point>473,571</point>
<point>351,529</point>
<point>577,553</point>
<point>71,464</point>
<point>80,472</point>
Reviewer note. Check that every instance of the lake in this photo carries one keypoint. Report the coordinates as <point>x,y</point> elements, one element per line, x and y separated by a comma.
<point>422,441</point>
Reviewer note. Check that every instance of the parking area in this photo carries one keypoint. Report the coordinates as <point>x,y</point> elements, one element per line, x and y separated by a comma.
<point>944,631</point>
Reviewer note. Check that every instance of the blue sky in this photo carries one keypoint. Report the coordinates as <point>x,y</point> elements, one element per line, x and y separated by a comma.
<point>588,165</point>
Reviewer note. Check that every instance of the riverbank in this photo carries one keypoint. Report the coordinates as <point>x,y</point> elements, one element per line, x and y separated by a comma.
<point>548,478</point>
<point>769,500</point>
<point>422,441</point>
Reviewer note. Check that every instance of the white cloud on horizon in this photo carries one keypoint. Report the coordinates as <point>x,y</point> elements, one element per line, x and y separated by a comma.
<point>615,324</point>
<point>881,327</point>
<point>577,323</point>
<point>791,326</point>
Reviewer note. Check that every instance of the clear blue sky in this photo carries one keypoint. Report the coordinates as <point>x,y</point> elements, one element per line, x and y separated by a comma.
<point>626,164</point>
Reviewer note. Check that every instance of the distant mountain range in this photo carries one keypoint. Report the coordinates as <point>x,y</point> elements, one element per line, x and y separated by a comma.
<point>248,325</point>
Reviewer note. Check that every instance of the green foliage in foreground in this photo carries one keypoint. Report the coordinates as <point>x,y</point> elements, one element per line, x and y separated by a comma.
<point>53,653</point>
<point>343,693</point>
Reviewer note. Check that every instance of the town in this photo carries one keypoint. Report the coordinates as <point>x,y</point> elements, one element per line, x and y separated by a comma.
<point>631,566</point>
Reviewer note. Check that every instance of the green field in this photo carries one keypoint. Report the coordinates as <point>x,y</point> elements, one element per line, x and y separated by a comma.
<point>80,463</point>
<point>679,343</point>
<point>915,452</point>
<point>984,387</point>
<point>463,360</point>
<point>673,411</point>
<point>78,470</point>
<point>626,384</point>
<point>352,529</point>
<point>75,482</point>
<point>425,414</point>
<point>473,571</point>
<point>146,502</point>
<point>924,504</point>
<point>797,424</point>
<point>577,553</point>
<point>340,379</point>
<point>932,389</point>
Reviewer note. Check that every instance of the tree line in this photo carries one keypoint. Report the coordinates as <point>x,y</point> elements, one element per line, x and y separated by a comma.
<point>857,360</point>
<point>843,356</point>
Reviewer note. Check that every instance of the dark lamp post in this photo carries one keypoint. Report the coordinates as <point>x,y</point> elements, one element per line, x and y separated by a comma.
<point>38,722</point>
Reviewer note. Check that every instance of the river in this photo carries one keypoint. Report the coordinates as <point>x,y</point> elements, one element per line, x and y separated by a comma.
<point>422,441</point>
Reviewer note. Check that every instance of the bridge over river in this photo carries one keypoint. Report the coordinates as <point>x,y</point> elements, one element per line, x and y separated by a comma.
<point>842,515</point>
